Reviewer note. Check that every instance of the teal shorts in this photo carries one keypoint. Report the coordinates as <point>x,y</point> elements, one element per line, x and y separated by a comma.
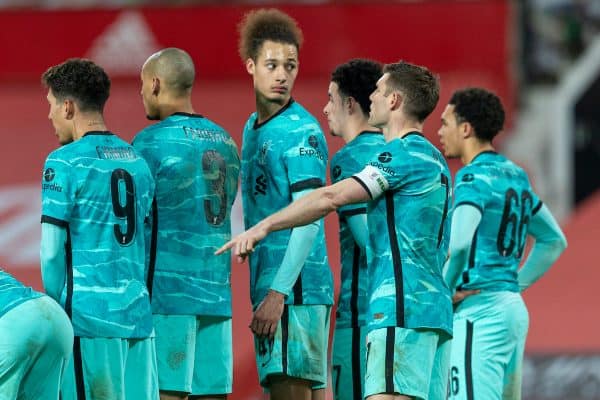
<point>490,329</point>
<point>299,348</point>
<point>348,363</point>
<point>194,354</point>
<point>409,362</point>
<point>36,340</point>
<point>111,368</point>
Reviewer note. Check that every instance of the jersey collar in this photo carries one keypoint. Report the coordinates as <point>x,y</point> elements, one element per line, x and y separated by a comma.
<point>280,111</point>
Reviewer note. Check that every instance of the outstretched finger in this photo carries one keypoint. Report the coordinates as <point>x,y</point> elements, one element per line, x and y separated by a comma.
<point>224,248</point>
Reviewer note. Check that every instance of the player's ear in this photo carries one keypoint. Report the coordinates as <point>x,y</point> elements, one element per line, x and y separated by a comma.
<point>68,108</point>
<point>250,66</point>
<point>466,130</point>
<point>155,86</point>
<point>349,104</point>
<point>395,100</point>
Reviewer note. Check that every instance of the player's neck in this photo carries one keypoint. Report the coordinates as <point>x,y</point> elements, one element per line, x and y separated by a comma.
<point>88,123</point>
<point>397,128</point>
<point>267,108</point>
<point>473,149</point>
<point>355,128</point>
<point>176,106</point>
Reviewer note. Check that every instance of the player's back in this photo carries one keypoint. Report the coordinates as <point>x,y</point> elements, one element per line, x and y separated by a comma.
<point>100,190</point>
<point>353,297</point>
<point>500,189</point>
<point>409,237</point>
<point>13,292</point>
<point>281,156</point>
<point>196,167</point>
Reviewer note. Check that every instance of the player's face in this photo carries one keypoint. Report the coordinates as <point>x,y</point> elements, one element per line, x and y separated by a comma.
<point>63,127</point>
<point>334,110</point>
<point>380,108</point>
<point>450,133</point>
<point>274,71</point>
<point>149,100</point>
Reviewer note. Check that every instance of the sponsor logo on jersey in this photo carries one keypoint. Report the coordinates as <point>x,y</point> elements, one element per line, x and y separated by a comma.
<point>382,167</point>
<point>308,152</point>
<point>260,186</point>
<point>385,157</point>
<point>49,175</point>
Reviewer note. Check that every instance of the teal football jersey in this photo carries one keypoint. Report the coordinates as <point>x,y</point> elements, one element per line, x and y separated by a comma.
<point>13,292</point>
<point>100,190</point>
<point>500,189</point>
<point>410,184</point>
<point>353,299</point>
<point>195,165</point>
<point>280,156</point>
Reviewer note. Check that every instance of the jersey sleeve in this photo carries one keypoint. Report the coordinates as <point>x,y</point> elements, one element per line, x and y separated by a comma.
<point>58,192</point>
<point>385,171</point>
<point>470,189</point>
<point>305,158</point>
<point>342,167</point>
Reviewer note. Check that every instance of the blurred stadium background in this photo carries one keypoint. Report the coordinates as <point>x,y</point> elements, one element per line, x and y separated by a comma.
<point>541,56</point>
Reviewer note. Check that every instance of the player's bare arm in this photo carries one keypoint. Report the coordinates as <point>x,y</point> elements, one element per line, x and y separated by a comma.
<point>307,209</point>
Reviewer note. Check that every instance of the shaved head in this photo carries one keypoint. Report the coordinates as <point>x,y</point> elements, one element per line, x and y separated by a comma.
<point>175,69</point>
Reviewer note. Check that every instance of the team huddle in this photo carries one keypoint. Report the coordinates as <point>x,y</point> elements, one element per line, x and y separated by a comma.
<point>135,238</point>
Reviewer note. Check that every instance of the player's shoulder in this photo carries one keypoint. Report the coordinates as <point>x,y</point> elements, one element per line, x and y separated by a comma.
<point>295,119</point>
<point>67,153</point>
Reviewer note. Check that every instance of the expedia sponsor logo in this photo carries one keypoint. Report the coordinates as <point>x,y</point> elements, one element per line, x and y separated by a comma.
<point>49,175</point>
<point>381,167</point>
<point>308,152</point>
<point>52,186</point>
<point>313,141</point>
<point>385,157</point>
<point>468,178</point>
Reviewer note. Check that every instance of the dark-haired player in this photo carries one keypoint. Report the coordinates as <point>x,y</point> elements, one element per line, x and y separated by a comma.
<point>408,189</point>
<point>195,164</point>
<point>96,194</point>
<point>347,113</point>
<point>284,156</point>
<point>495,209</point>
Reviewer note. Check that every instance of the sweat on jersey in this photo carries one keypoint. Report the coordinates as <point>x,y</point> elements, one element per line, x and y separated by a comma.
<point>100,190</point>
<point>280,156</point>
<point>195,164</point>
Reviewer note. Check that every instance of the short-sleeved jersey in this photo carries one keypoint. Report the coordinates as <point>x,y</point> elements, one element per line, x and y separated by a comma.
<point>196,166</point>
<point>410,184</point>
<point>500,189</point>
<point>353,300</point>
<point>280,156</point>
<point>13,292</point>
<point>100,190</point>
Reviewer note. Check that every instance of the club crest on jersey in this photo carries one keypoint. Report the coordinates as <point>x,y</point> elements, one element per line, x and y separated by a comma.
<point>264,149</point>
<point>336,172</point>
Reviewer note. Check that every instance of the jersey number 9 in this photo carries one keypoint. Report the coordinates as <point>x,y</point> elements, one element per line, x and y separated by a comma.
<point>122,188</point>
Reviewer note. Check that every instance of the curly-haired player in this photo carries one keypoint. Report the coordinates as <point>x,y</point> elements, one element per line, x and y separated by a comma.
<point>284,156</point>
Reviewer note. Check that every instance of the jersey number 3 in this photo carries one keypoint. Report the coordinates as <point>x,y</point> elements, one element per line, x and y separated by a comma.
<point>122,188</point>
